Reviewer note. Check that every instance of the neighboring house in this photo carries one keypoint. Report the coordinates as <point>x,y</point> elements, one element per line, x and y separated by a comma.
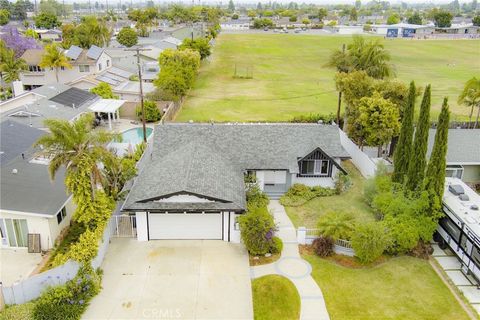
<point>458,29</point>
<point>463,153</point>
<point>52,101</point>
<point>402,30</point>
<point>192,186</point>
<point>49,35</point>
<point>84,62</point>
<point>120,82</point>
<point>343,29</point>
<point>239,24</point>
<point>30,202</point>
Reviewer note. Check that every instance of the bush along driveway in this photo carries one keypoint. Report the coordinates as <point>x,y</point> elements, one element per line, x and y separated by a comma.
<point>293,267</point>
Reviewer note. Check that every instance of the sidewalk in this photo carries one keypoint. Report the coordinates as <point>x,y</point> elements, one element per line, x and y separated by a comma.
<point>293,267</point>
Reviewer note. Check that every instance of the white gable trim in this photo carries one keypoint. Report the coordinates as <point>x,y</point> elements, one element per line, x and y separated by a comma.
<point>184,198</point>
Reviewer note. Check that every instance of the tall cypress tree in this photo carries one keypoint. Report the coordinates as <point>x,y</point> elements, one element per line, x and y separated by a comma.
<point>418,158</point>
<point>403,149</point>
<point>435,176</point>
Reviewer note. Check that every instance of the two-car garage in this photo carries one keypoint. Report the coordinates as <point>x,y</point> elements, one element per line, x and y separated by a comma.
<point>184,226</point>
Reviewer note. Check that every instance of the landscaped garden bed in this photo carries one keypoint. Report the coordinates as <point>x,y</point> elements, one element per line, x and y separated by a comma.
<point>275,298</point>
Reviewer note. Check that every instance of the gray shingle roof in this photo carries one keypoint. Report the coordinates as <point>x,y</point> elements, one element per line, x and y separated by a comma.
<point>463,145</point>
<point>15,139</point>
<point>209,160</point>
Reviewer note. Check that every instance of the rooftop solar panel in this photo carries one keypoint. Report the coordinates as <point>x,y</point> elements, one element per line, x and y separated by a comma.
<point>73,97</point>
<point>73,52</point>
<point>94,52</point>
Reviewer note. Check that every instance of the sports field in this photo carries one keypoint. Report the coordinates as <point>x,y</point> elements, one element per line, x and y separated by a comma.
<point>289,77</point>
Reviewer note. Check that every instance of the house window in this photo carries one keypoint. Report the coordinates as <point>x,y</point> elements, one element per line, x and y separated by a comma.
<point>17,232</point>
<point>99,67</point>
<point>315,167</point>
<point>35,69</point>
<point>61,215</point>
<point>62,68</point>
<point>108,63</point>
<point>84,68</point>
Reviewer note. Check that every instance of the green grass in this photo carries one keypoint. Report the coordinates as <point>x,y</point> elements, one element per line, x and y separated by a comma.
<point>289,78</point>
<point>275,298</point>
<point>18,312</point>
<point>401,288</point>
<point>351,201</point>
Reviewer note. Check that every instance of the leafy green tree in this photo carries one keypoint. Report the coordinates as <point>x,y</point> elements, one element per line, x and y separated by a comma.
<point>103,90</point>
<point>51,7</point>
<point>118,170</point>
<point>442,19</point>
<point>435,176</point>
<point>322,14</point>
<point>418,161</point>
<point>54,58</point>
<point>337,225</point>
<point>403,149</point>
<point>231,6</point>
<point>470,97</point>
<point>31,34</point>
<point>127,37</point>
<point>152,113</point>
<point>415,18</point>
<point>476,20</point>
<point>45,20</point>
<point>393,19</point>
<point>306,21</point>
<point>4,17</point>
<point>201,45</point>
<point>262,23</point>
<point>235,16</point>
<point>91,31</point>
<point>10,66</point>
<point>379,120</point>
<point>353,14</point>
<point>68,35</point>
<point>369,241</point>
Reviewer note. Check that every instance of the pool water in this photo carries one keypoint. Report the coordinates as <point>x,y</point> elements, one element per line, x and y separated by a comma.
<point>135,135</point>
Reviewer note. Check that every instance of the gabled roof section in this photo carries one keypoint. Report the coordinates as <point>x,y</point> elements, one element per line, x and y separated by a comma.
<point>73,52</point>
<point>94,52</point>
<point>191,168</point>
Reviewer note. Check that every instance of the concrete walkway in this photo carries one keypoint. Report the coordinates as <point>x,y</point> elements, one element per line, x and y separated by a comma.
<point>293,267</point>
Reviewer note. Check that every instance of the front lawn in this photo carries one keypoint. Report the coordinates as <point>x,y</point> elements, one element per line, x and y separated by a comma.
<point>351,201</point>
<point>400,288</point>
<point>275,298</point>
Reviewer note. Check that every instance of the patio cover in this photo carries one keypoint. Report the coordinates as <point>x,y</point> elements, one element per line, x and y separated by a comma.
<point>107,105</point>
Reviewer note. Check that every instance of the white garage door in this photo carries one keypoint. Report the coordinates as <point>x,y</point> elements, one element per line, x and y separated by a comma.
<point>185,226</point>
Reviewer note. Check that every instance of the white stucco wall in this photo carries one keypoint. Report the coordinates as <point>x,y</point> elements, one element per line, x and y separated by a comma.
<point>56,228</point>
<point>326,182</point>
<point>21,100</point>
<point>234,234</point>
<point>260,179</point>
<point>142,231</point>
<point>471,173</point>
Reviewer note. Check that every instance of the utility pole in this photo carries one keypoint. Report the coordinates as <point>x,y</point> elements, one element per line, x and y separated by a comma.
<point>137,50</point>
<point>340,97</point>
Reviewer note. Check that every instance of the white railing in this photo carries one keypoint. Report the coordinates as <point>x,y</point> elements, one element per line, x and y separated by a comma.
<point>306,236</point>
<point>123,226</point>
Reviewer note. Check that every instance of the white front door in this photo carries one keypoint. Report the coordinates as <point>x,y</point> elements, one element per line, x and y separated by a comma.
<point>183,226</point>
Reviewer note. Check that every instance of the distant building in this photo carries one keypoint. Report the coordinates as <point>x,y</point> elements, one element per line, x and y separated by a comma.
<point>239,24</point>
<point>402,30</point>
<point>83,62</point>
<point>347,29</point>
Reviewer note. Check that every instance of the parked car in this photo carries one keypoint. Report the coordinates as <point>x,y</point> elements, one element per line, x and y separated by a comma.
<point>265,29</point>
<point>297,30</point>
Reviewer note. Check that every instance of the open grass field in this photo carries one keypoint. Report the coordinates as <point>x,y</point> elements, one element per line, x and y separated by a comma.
<point>289,77</point>
<point>275,298</point>
<point>400,288</point>
<point>351,201</point>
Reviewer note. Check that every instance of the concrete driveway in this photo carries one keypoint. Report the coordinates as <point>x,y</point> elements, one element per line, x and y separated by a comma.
<point>174,280</point>
<point>17,265</point>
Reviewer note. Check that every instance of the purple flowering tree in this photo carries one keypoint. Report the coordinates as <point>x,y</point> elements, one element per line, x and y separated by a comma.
<point>14,40</point>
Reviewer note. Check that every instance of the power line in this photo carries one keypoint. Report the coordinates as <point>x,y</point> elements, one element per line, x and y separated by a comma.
<point>264,99</point>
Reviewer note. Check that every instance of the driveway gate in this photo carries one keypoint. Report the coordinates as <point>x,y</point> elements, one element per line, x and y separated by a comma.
<point>123,226</point>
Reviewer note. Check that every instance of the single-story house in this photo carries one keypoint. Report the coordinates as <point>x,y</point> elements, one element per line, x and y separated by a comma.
<point>192,185</point>
<point>30,203</point>
<point>239,24</point>
<point>463,153</point>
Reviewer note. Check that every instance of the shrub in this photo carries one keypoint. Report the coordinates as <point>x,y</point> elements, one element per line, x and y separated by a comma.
<point>337,225</point>
<point>152,113</point>
<point>257,230</point>
<point>68,301</point>
<point>369,241</point>
<point>316,118</point>
<point>256,198</point>
<point>276,245</point>
<point>323,246</point>
<point>342,182</point>
<point>127,37</point>
<point>299,194</point>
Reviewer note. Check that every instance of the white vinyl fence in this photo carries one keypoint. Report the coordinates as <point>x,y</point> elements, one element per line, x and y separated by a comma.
<point>362,161</point>
<point>31,288</point>
<point>306,236</point>
<point>123,226</point>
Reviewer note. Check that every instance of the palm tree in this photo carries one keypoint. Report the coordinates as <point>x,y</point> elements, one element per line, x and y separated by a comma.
<point>337,225</point>
<point>10,66</point>
<point>77,147</point>
<point>470,97</point>
<point>53,57</point>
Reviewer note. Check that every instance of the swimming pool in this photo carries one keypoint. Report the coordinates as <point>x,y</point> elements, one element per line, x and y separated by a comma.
<point>135,135</point>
